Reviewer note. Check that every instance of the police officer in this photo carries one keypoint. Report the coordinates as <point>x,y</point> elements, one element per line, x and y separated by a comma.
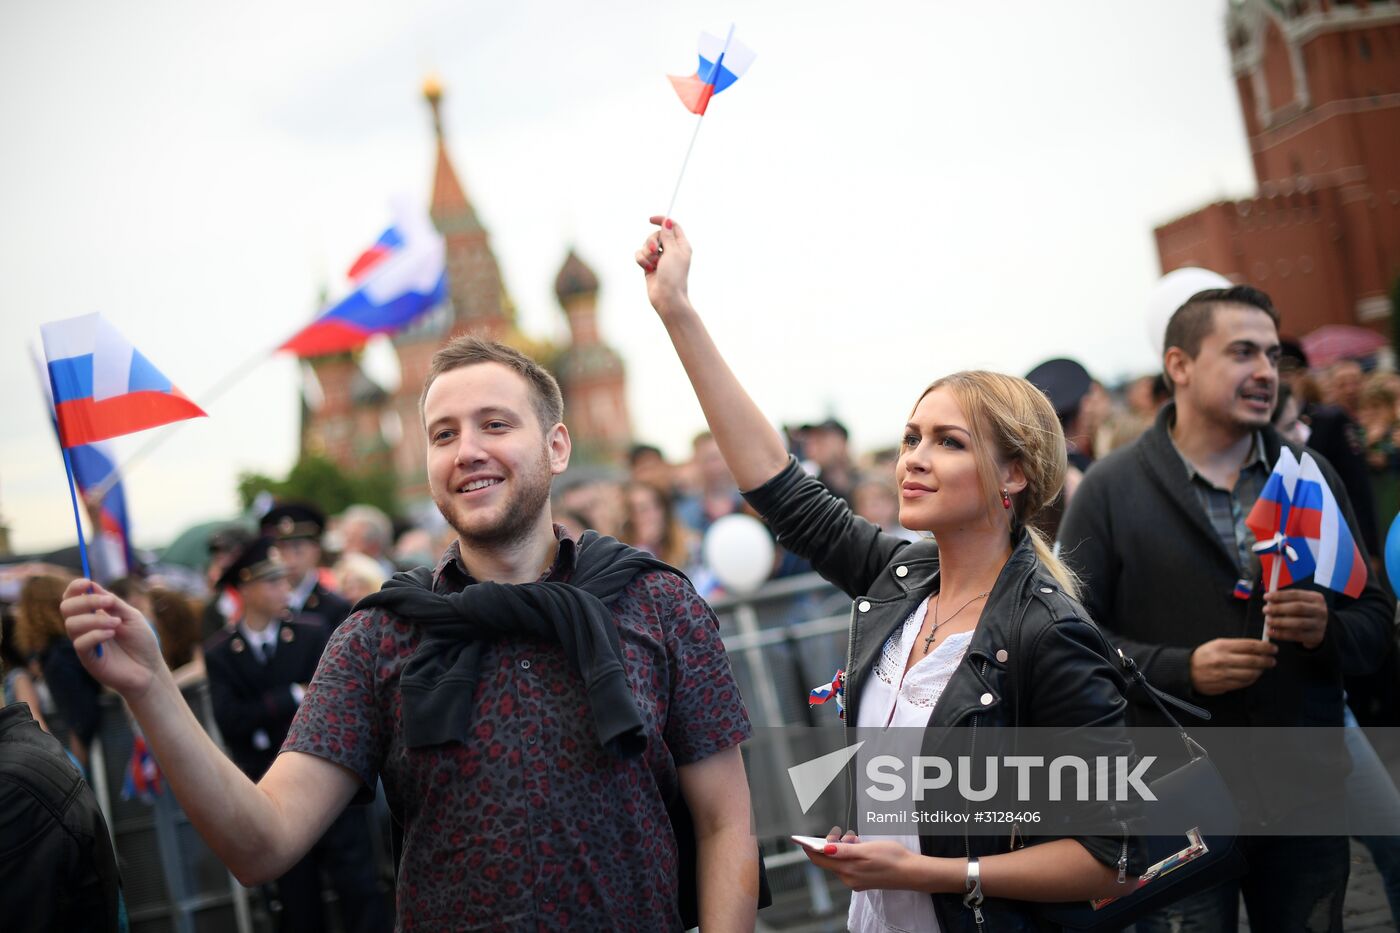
<point>258,669</point>
<point>297,529</point>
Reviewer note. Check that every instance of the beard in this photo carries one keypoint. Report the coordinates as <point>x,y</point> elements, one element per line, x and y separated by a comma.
<point>518,514</point>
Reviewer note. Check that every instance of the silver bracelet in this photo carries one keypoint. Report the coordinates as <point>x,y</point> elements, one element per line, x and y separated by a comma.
<point>972,890</point>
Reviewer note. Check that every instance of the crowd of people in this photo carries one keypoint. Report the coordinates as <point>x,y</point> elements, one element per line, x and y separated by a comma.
<point>548,709</point>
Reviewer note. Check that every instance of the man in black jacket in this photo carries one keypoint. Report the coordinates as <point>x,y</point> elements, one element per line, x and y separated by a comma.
<point>258,673</point>
<point>1157,533</point>
<point>57,867</point>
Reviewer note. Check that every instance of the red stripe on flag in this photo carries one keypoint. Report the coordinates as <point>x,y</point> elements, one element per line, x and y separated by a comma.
<point>1305,523</point>
<point>322,337</point>
<point>693,92</point>
<point>1356,580</point>
<point>368,260</point>
<point>85,420</point>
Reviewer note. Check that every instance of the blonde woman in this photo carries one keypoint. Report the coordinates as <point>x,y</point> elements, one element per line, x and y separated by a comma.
<point>981,455</point>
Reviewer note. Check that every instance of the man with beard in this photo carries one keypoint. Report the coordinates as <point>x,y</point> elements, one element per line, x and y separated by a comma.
<point>536,706</point>
<point>1157,533</point>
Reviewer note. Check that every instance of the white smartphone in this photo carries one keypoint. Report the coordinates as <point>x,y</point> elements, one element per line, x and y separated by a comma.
<point>815,843</point>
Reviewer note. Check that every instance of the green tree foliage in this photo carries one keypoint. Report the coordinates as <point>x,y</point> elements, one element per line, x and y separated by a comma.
<point>319,481</point>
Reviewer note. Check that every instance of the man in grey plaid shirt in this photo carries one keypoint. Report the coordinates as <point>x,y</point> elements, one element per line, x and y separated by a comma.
<point>1156,530</point>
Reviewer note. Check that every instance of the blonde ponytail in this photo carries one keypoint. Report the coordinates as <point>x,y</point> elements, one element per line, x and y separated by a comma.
<point>1068,580</point>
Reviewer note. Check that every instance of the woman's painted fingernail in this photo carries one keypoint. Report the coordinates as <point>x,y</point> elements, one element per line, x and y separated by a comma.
<point>829,849</point>
<point>668,223</point>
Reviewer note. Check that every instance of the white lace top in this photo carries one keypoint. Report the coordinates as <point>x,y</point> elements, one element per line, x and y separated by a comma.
<point>894,697</point>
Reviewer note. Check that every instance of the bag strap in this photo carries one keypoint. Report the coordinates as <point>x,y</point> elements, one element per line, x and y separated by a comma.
<point>1160,698</point>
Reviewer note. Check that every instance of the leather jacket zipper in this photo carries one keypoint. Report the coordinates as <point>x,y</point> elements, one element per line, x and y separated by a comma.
<point>967,804</point>
<point>1123,855</point>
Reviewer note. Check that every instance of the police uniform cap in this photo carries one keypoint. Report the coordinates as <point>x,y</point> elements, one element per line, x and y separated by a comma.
<point>1064,382</point>
<point>830,424</point>
<point>294,520</point>
<point>260,560</point>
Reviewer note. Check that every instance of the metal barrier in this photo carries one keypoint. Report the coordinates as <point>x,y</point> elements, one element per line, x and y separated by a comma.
<point>172,883</point>
<point>783,640</point>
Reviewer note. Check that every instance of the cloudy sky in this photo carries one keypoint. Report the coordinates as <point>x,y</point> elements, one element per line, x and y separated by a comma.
<point>894,191</point>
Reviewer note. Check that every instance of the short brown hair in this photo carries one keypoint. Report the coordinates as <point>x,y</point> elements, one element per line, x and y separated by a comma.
<point>1194,321</point>
<point>469,351</point>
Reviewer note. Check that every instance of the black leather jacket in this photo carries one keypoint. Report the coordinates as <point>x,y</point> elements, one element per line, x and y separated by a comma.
<point>1027,619</point>
<point>57,867</point>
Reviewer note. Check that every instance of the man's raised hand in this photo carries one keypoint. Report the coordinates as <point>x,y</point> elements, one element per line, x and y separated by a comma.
<point>665,261</point>
<point>130,656</point>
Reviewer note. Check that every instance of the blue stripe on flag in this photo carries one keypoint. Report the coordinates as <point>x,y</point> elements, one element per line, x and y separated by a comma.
<point>144,377</point>
<point>71,378</point>
<point>720,81</point>
<point>360,311</point>
<point>390,238</point>
<point>1346,550</point>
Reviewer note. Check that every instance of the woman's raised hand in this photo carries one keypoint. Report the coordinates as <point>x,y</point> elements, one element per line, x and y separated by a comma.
<point>130,656</point>
<point>665,261</point>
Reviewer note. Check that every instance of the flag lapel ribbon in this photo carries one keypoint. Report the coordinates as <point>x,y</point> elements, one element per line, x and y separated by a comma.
<point>836,689</point>
<point>103,386</point>
<point>722,62</point>
<point>401,276</point>
<point>1276,539</point>
<point>1318,519</point>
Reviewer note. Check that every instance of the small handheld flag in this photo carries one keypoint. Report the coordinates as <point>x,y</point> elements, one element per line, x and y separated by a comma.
<point>102,386</point>
<point>401,276</point>
<point>1284,555</point>
<point>143,778</point>
<point>1318,519</point>
<point>722,62</point>
<point>95,471</point>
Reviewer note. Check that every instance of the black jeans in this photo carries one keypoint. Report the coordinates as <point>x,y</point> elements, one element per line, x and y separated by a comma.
<point>1295,884</point>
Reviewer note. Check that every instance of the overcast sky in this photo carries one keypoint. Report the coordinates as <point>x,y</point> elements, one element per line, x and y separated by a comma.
<point>893,192</point>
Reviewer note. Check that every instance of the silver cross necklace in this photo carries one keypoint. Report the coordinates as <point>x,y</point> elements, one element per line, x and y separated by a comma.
<point>928,639</point>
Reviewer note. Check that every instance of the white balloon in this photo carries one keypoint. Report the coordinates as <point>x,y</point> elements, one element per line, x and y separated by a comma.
<point>1171,292</point>
<point>739,551</point>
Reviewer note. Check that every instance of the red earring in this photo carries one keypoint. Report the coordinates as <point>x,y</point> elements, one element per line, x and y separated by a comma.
<point>1005,500</point>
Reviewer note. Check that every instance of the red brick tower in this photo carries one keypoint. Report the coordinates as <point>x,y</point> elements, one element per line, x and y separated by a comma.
<point>590,372</point>
<point>1319,86</point>
<point>477,304</point>
<point>344,423</point>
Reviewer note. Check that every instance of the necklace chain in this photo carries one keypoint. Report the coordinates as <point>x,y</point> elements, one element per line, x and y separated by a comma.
<point>933,632</point>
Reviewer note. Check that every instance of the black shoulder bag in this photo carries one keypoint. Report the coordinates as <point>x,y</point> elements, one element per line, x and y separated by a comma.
<point>1179,865</point>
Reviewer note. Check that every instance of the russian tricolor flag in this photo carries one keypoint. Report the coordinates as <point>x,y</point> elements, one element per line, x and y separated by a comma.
<point>722,62</point>
<point>94,466</point>
<point>1317,517</point>
<point>1270,522</point>
<point>102,385</point>
<point>401,276</point>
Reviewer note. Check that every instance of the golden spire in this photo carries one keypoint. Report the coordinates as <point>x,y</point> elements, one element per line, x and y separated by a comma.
<point>432,92</point>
